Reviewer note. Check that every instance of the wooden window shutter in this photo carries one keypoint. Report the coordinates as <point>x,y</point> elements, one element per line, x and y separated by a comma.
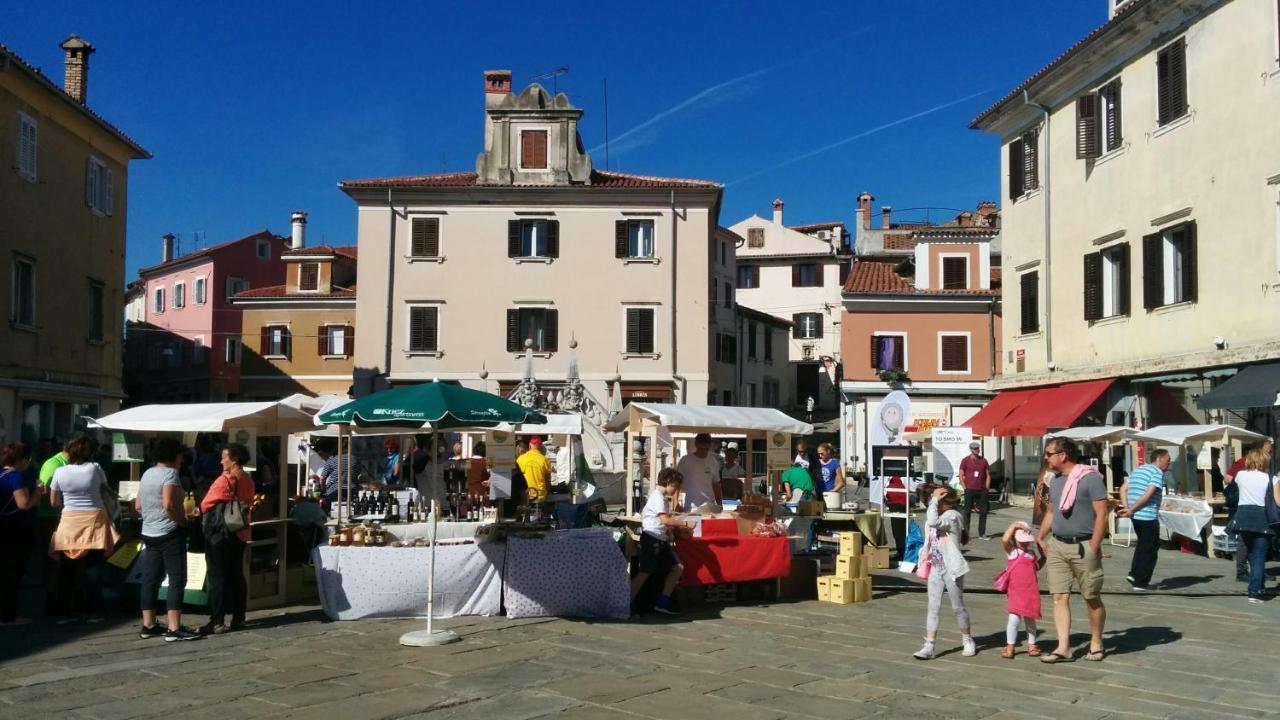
<point>1189,264</point>
<point>288,342</point>
<point>633,330</point>
<point>646,331</point>
<point>818,275</point>
<point>551,331</point>
<point>109,194</point>
<point>875,352</point>
<point>1015,169</point>
<point>1029,305</point>
<point>309,276</point>
<point>1031,160</point>
<point>1171,79</point>
<point>426,237</point>
<point>755,276</point>
<point>348,340</point>
<point>553,238</point>
<point>90,182</point>
<point>1122,279</point>
<point>955,353</point>
<point>1114,134</point>
<point>1152,271</point>
<point>795,325</point>
<point>1093,286</point>
<point>513,331</point>
<point>431,322</point>
<point>513,238</point>
<point>322,340</point>
<point>955,273</point>
<point>817,324</point>
<point>264,346</point>
<point>620,239</point>
<point>795,276</point>
<point>533,149</point>
<point>1087,145</point>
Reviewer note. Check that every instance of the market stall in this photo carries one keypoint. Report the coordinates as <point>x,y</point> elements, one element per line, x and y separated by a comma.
<point>238,422</point>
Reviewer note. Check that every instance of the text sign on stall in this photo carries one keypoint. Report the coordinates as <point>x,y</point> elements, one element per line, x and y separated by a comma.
<point>950,446</point>
<point>501,453</point>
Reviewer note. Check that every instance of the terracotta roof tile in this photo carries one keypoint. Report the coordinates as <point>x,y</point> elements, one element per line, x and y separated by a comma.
<point>876,277</point>
<point>281,291</point>
<point>599,179</point>
<point>345,250</point>
<point>815,227</point>
<point>899,241</point>
<point>203,252</point>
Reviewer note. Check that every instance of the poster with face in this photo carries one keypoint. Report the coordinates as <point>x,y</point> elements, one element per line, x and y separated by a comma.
<point>885,427</point>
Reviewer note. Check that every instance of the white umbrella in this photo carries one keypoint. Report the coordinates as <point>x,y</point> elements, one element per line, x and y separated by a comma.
<point>1182,434</point>
<point>1101,434</point>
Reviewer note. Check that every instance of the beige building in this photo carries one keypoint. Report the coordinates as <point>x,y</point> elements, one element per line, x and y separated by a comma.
<point>606,277</point>
<point>299,337</point>
<point>63,196</point>
<point>795,274</point>
<point>1142,226</point>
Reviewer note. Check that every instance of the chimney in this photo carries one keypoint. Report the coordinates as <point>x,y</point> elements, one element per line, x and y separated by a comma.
<point>497,83</point>
<point>166,252</point>
<point>299,240</point>
<point>864,209</point>
<point>76,68</point>
<point>965,219</point>
<point>886,213</point>
<point>777,211</point>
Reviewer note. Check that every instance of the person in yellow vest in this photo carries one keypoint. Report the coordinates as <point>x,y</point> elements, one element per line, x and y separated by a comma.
<point>537,472</point>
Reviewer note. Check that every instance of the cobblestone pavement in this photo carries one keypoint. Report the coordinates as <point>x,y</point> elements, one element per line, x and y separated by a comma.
<point>1195,651</point>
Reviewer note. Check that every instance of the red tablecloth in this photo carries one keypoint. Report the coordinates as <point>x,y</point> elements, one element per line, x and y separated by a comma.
<point>733,559</point>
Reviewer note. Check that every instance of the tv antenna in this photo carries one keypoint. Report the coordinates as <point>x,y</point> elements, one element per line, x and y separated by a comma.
<point>553,76</point>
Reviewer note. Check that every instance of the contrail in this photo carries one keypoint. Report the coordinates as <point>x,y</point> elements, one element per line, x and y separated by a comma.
<point>859,136</point>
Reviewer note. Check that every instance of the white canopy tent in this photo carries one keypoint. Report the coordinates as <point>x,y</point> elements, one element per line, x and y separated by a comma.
<point>1212,435</point>
<point>1108,434</point>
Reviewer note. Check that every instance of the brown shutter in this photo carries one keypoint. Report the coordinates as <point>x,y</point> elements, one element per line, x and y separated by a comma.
<point>955,273</point>
<point>1122,275</point>
<point>1171,81</point>
<point>1015,169</point>
<point>513,238</point>
<point>795,325</point>
<point>416,326</point>
<point>322,340</point>
<point>1114,134</point>
<point>795,276</point>
<point>287,337</point>
<point>1031,160</point>
<point>875,353</point>
<point>551,330</point>
<point>264,346</point>
<point>817,325</point>
<point>553,238</point>
<point>1087,145</point>
<point>1189,264</point>
<point>755,276</point>
<point>1029,306</point>
<point>1093,286</point>
<point>431,334</point>
<point>1152,271</point>
<point>513,331</point>
<point>533,149</point>
<point>955,353</point>
<point>620,239</point>
<point>818,274</point>
<point>349,341</point>
<point>425,241</point>
<point>646,331</point>
<point>633,330</point>
<point>309,276</point>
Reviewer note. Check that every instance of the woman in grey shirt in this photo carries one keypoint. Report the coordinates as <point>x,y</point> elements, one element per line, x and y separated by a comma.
<point>164,534</point>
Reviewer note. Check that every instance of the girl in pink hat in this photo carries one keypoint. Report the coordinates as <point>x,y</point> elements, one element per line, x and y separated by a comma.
<point>1019,579</point>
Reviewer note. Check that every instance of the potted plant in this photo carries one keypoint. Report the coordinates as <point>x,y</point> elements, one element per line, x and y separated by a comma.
<point>894,376</point>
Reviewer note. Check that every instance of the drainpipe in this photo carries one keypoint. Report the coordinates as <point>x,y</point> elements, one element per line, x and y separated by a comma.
<point>675,375</point>
<point>991,336</point>
<point>1045,267</point>
<point>391,282</point>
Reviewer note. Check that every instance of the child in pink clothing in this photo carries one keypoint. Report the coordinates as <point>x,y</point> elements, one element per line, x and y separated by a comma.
<point>1023,590</point>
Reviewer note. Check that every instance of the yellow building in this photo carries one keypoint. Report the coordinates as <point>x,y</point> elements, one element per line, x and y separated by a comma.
<point>63,194</point>
<point>300,336</point>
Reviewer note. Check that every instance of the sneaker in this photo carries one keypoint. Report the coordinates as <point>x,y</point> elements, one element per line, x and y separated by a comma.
<point>924,653</point>
<point>1130,579</point>
<point>970,647</point>
<point>1255,599</point>
<point>212,629</point>
<point>181,633</point>
<point>150,632</point>
<point>666,610</point>
<point>1140,588</point>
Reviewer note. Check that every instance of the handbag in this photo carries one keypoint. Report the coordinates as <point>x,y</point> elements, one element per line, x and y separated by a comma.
<point>235,516</point>
<point>924,567</point>
<point>1273,512</point>
<point>1001,583</point>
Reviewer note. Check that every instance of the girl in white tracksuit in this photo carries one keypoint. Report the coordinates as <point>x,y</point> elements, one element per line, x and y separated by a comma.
<point>943,531</point>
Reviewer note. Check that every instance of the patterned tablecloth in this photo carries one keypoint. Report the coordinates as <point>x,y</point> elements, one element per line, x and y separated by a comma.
<point>446,530</point>
<point>575,573</point>
<point>369,582</point>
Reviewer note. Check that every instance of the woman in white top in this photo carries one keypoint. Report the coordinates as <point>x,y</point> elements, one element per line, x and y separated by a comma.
<point>85,534</point>
<point>944,529</point>
<point>1251,516</point>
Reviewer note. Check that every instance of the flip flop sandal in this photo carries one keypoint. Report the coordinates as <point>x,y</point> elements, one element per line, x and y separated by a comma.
<point>1096,655</point>
<point>1054,657</point>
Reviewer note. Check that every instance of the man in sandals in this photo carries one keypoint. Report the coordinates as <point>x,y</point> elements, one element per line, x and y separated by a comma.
<point>1071,541</point>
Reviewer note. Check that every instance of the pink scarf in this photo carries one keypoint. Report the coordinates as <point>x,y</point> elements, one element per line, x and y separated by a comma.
<point>1068,499</point>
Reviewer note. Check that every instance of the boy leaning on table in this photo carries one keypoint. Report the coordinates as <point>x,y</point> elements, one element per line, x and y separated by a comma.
<point>657,553</point>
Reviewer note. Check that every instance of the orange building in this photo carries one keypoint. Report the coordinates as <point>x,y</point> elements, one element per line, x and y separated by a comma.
<point>922,315</point>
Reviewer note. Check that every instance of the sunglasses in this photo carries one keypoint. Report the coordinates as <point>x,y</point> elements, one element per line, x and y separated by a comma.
<point>1055,452</point>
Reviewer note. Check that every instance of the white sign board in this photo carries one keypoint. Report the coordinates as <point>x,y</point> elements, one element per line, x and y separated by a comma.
<point>950,446</point>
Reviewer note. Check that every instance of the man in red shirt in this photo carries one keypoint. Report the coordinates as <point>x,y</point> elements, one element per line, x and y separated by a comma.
<point>975,473</point>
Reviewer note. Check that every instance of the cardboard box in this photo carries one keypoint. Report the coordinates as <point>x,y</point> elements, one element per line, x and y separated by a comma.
<point>862,589</point>
<point>824,587</point>
<point>841,590</point>
<point>874,558</point>
<point>850,567</point>
<point>850,542</point>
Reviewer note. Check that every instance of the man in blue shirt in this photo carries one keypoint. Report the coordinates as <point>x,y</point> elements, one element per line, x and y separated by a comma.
<point>1142,494</point>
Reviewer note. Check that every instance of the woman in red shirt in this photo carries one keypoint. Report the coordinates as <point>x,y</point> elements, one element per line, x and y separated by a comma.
<point>224,553</point>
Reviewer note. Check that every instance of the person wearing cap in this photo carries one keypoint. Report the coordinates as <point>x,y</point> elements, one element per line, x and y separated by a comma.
<point>701,473</point>
<point>975,473</point>
<point>536,471</point>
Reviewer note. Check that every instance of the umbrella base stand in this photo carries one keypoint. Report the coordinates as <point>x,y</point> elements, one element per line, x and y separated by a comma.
<point>429,638</point>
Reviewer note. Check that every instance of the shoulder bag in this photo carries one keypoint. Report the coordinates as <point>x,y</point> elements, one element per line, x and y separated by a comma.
<point>1273,512</point>
<point>235,516</point>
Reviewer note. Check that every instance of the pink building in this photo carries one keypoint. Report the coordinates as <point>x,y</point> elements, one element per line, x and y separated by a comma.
<point>188,348</point>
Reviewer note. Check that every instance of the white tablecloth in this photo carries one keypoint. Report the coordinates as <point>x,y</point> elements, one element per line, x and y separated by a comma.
<point>446,530</point>
<point>367,582</point>
<point>568,573</point>
<point>1187,524</point>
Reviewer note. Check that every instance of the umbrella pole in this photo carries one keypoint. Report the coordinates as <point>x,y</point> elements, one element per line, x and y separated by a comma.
<point>431,636</point>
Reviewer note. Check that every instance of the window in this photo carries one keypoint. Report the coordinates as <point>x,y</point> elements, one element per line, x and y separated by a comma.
<point>888,352</point>
<point>179,296</point>
<point>198,292</point>
<point>1098,121</point>
<point>24,292</point>
<point>235,286</point>
<point>533,238</point>
<point>541,325</point>
<point>424,329</point>
<point>953,352</point>
<point>1171,82</point>
<point>1169,266</point>
<point>724,252</point>
<point>276,341</point>
<point>748,276</point>
<point>633,239</point>
<point>533,149</point>
<point>157,300</point>
<point>96,307</point>
<point>728,295</point>
<point>27,146</point>
<point>751,340</point>
<point>768,345</point>
<point>640,331</point>
<point>99,186</point>
<point>334,340</point>
<point>726,348</point>
<point>264,249</point>
<point>806,326</point>
<point>231,351</point>
<point>1106,283</point>
<point>309,276</point>
<point>755,237</point>
<point>424,240</point>
<point>1029,302</point>
<point>1024,164</point>
<point>955,273</point>
<point>806,275</point>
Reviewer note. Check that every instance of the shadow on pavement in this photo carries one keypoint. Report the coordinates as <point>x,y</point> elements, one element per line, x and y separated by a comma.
<point>1137,639</point>
<point>1186,581</point>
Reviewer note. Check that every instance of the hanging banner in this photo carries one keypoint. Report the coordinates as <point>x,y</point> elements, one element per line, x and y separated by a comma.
<point>950,446</point>
<point>500,451</point>
<point>126,447</point>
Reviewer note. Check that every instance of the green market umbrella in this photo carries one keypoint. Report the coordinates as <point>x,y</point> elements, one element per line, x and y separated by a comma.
<point>441,405</point>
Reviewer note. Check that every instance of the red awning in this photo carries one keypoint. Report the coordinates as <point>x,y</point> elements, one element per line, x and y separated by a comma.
<point>1005,402</point>
<point>1058,406</point>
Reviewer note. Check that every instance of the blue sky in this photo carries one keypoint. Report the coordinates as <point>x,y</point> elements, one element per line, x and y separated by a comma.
<point>255,109</point>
